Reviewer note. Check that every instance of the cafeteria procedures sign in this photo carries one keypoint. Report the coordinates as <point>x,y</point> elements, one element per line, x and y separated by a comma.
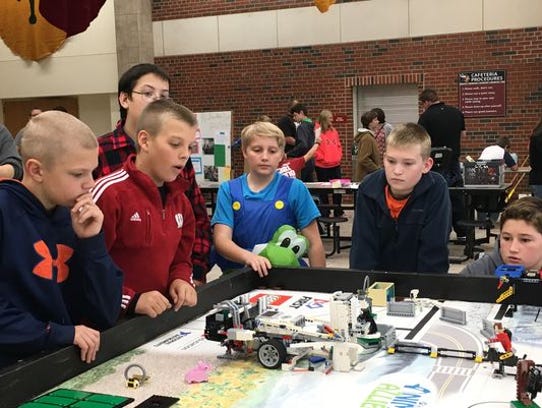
<point>482,93</point>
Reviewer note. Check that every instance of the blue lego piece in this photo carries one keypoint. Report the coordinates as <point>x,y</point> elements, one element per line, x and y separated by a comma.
<point>511,271</point>
<point>316,359</point>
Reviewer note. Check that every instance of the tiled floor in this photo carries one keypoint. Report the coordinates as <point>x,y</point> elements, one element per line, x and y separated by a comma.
<point>341,260</point>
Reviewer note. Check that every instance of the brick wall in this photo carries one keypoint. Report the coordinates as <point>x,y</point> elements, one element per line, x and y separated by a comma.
<point>170,9</point>
<point>262,82</point>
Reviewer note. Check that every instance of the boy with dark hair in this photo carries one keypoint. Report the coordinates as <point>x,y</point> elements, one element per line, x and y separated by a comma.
<point>149,224</point>
<point>520,241</point>
<point>304,139</point>
<point>402,216</point>
<point>58,284</point>
<point>139,86</point>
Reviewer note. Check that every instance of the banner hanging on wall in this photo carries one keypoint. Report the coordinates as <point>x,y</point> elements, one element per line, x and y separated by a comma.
<point>34,29</point>
<point>482,93</point>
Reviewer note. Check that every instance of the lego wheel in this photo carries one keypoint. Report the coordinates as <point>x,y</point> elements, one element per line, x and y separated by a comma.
<point>272,353</point>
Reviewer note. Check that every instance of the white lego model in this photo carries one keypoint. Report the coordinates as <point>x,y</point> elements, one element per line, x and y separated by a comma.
<point>349,336</point>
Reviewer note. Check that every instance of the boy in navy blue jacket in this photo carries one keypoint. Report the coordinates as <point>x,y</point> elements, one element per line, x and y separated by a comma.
<point>402,219</point>
<point>58,285</point>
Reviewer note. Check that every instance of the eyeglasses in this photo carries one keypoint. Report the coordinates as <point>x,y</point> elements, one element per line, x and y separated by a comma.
<point>152,96</point>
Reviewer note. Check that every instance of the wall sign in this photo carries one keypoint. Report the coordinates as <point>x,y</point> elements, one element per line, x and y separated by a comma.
<point>211,151</point>
<point>482,93</point>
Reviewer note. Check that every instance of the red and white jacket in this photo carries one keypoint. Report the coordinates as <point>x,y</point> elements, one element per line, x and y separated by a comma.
<point>152,243</point>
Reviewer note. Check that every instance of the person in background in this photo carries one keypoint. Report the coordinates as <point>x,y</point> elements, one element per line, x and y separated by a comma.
<point>252,207</point>
<point>365,148</point>
<point>58,285</point>
<point>60,108</point>
<point>149,224</point>
<point>403,212</point>
<point>327,159</point>
<point>520,241</point>
<point>446,127</point>
<point>33,113</point>
<point>382,131</point>
<point>304,139</point>
<point>288,127</point>
<point>292,166</point>
<point>139,86</point>
<point>11,165</point>
<point>535,160</point>
<point>500,151</point>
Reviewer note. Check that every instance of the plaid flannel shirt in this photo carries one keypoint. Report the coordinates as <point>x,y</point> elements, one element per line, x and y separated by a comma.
<point>114,149</point>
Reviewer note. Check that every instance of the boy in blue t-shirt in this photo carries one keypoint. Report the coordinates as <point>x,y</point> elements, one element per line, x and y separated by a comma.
<point>252,207</point>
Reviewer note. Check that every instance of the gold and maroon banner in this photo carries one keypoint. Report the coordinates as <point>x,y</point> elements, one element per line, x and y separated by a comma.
<point>34,29</point>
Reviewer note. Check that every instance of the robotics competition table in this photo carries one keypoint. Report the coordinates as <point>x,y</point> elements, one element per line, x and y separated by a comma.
<point>169,346</point>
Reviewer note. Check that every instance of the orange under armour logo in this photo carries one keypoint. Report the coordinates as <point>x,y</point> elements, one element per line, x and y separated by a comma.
<point>44,268</point>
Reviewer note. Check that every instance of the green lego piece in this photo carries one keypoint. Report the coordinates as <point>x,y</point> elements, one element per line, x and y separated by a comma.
<point>519,404</point>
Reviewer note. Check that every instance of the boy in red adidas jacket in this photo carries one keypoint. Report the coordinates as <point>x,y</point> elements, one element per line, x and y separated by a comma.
<point>148,221</point>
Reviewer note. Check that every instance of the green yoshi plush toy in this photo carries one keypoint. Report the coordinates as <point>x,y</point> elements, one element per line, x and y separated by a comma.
<point>285,248</point>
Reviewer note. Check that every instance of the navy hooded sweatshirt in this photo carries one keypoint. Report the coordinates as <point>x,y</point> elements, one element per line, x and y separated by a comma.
<point>50,280</point>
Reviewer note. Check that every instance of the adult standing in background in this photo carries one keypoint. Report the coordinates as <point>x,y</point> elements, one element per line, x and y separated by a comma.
<point>288,127</point>
<point>327,159</point>
<point>535,159</point>
<point>382,131</point>
<point>304,139</point>
<point>33,113</point>
<point>10,162</point>
<point>365,148</point>
<point>139,86</point>
<point>446,126</point>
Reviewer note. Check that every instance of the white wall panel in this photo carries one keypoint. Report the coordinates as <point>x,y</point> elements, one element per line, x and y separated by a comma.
<point>430,17</point>
<point>307,26</point>
<point>191,36</point>
<point>248,31</point>
<point>373,20</point>
<point>502,14</point>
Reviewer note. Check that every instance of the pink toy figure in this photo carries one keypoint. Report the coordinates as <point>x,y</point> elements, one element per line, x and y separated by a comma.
<point>198,374</point>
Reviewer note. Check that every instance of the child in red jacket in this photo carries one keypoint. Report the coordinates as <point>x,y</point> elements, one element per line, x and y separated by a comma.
<point>149,224</point>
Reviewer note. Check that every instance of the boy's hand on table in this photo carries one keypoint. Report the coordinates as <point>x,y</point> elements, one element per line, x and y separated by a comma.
<point>152,304</point>
<point>182,293</point>
<point>258,263</point>
<point>88,340</point>
<point>87,218</point>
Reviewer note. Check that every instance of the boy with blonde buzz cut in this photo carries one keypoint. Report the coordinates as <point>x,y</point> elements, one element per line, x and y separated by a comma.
<point>56,272</point>
<point>403,212</point>
<point>149,224</point>
<point>252,207</point>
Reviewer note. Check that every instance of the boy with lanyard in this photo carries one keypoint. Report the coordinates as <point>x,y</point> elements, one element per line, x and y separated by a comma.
<point>252,207</point>
<point>58,284</point>
<point>520,241</point>
<point>149,224</point>
<point>403,213</point>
